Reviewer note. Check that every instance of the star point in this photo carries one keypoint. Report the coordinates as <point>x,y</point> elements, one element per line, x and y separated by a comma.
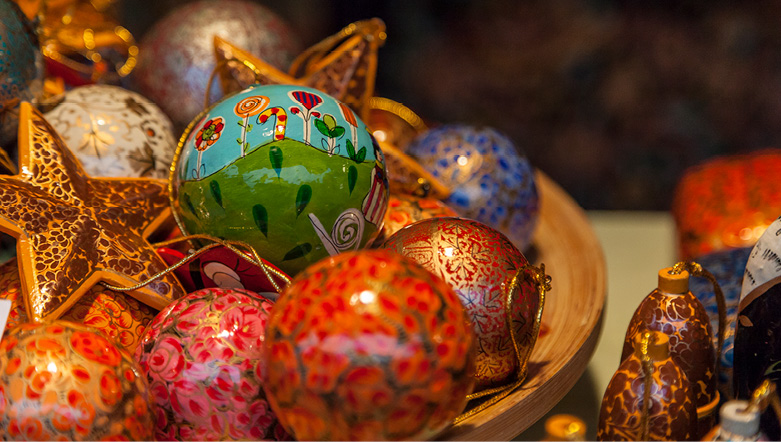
<point>74,231</point>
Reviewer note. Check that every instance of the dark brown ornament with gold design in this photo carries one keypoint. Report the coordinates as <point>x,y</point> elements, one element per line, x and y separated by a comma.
<point>649,396</point>
<point>673,310</point>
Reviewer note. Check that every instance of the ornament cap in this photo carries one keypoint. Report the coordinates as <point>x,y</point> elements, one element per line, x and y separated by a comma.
<point>658,345</point>
<point>739,418</point>
<point>670,282</point>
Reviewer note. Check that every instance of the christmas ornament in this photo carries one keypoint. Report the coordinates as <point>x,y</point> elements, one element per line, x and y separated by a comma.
<point>223,268</point>
<point>288,170</point>
<point>490,181</point>
<point>176,58</point>
<point>343,65</point>
<point>404,210</point>
<point>649,397</point>
<point>757,345</point>
<point>673,310</point>
<point>62,380</point>
<point>21,67</point>
<point>727,202</point>
<point>118,316</point>
<point>493,280</point>
<point>114,132</point>
<point>73,231</point>
<point>367,345</point>
<point>83,42</point>
<point>727,266</point>
<point>201,356</point>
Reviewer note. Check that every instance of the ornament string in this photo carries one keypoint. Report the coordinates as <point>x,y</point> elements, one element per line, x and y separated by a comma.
<point>648,371</point>
<point>543,284</point>
<point>765,395</point>
<point>697,270</point>
<point>239,248</point>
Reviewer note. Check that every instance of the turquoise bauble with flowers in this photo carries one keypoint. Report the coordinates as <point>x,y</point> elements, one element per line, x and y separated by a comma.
<point>289,170</point>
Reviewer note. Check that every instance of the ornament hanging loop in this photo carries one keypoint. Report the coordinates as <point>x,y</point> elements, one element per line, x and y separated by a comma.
<point>697,270</point>
<point>543,284</point>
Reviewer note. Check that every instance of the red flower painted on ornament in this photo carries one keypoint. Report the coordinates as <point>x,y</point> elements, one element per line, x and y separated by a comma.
<point>166,359</point>
<point>208,135</point>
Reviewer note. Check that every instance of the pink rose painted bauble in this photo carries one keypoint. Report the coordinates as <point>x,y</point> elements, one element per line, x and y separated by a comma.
<point>116,314</point>
<point>176,56</point>
<point>201,357</point>
<point>479,263</point>
<point>65,381</point>
<point>367,345</point>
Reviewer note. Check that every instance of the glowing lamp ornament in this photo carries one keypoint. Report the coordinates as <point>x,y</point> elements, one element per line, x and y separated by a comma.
<point>286,169</point>
<point>368,345</point>
<point>489,179</point>
<point>493,280</point>
<point>176,56</point>
<point>62,380</point>
<point>115,132</point>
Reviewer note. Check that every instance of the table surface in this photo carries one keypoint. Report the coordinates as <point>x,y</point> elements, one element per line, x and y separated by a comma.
<point>636,246</point>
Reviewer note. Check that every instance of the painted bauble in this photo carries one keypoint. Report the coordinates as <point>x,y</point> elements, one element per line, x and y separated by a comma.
<point>61,380</point>
<point>176,56</point>
<point>368,345</point>
<point>404,210</point>
<point>479,263</point>
<point>490,180</point>
<point>21,67</point>
<point>287,169</point>
<point>115,132</point>
<point>201,356</point>
<point>117,315</point>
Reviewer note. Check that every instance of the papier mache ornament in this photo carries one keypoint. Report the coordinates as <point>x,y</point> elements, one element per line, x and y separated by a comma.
<point>368,345</point>
<point>649,396</point>
<point>494,281</point>
<point>726,202</point>
<point>758,335</point>
<point>117,315</point>
<point>74,231</point>
<point>201,356</point>
<point>176,57</point>
<point>490,180</point>
<point>673,310</point>
<point>65,381</point>
<point>287,169</point>
<point>114,132</point>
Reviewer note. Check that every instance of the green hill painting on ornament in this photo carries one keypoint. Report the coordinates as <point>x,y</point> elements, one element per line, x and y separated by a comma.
<point>296,189</point>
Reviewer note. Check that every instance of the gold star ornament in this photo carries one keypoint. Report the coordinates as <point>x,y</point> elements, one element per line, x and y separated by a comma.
<point>343,65</point>
<point>74,231</point>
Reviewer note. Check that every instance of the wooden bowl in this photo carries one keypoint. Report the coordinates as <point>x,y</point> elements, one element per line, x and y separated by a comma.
<point>571,322</point>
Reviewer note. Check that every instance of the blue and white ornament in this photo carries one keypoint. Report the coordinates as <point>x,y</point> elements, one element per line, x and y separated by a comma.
<point>490,180</point>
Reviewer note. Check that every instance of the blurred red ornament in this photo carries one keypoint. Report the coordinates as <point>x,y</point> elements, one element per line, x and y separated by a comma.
<point>368,345</point>
<point>727,202</point>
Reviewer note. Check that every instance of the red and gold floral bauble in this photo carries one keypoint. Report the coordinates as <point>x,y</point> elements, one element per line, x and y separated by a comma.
<point>480,263</point>
<point>201,356</point>
<point>66,381</point>
<point>118,315</point>
<point>368,345</point>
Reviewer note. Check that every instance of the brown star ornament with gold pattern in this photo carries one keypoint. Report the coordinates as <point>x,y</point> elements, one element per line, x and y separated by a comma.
<point>74,231</point>
<point>343,65</point>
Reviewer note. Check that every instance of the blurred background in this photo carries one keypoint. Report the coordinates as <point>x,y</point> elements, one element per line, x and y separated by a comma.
<point>612,99</point>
